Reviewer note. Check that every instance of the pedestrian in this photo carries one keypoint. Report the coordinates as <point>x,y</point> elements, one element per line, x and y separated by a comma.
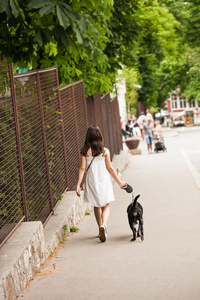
<point>141,121</point>
<point>136,130</point>
<point>147,132</point>
<point>157,130</point>
<point>98,189</point>
<point>149,115</point>
<point>122,128</point>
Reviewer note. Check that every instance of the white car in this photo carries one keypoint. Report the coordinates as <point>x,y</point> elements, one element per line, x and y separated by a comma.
<point>178,122</point>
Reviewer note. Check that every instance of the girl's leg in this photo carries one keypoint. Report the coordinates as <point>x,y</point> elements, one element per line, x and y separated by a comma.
<point>105,213</point>
<point>103,228</point>
<point>98,215</point>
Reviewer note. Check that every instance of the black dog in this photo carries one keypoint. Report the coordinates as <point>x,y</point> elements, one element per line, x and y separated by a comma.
<point>135,214</point>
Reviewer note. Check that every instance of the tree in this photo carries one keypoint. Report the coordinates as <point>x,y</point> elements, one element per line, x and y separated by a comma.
<point>68,34</point>
<point>182,69</point>
<point>91,40</point>
<point>159,35</point>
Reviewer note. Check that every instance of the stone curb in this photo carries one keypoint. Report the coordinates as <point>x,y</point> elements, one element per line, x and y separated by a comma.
<point>20,258</point>
<point>68,213</point>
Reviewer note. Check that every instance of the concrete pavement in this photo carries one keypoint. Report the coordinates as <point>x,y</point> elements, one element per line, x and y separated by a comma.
<point>166,265</point>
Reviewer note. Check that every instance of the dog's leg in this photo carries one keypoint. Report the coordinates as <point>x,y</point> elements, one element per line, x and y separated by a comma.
<point>139,229</point>
<point>141,226</point>
<point>134,234</point>
<point>130,220</point>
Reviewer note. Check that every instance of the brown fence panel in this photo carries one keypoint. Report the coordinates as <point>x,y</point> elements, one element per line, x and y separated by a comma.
<point>71,134</point>
<point>35,174</point>
<point>11,207</point>
<point>115,133</point>
<point>105,122</point>
<point>98,112</point>
<point>90,111</point>
<point>81,111</point>
<point>53,131</point>
<point>120,145</point>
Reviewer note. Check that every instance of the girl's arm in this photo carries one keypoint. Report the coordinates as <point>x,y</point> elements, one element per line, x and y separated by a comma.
<point>112,171</point>
<point>80,175</point>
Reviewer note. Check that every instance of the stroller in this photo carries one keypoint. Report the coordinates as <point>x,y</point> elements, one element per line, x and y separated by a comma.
<point>128,130</point>
<point>159,144</point>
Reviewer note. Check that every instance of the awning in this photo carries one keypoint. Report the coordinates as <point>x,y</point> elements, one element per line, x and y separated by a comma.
<point>181,114</point>
<point>195,111</point>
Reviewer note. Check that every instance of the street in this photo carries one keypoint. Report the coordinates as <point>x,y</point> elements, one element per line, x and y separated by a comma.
<point>166,265</point>
<point>189,140</point>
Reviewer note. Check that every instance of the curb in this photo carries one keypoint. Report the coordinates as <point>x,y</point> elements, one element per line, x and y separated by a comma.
<point>191,167</point>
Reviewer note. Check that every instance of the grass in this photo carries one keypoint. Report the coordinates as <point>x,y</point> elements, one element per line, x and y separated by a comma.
<point>74,229</point>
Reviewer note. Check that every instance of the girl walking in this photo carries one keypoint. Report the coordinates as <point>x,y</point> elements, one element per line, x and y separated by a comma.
<point>98,186</point>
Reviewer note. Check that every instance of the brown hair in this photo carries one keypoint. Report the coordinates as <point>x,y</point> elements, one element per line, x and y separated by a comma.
<point>93,140</point>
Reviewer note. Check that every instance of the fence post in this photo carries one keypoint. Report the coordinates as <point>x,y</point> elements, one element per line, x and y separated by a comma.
<point>85,105</point>
<point>76,127</point>
<point>101,110</point>
<point>94,110</point>
<point>116,126</point>
<point>62,128</point>
<point>44,140</point>
<point>18,141</point>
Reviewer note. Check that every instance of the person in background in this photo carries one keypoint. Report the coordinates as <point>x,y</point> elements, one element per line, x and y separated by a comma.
<point>122,128</point>
<point>141,121</point>
<point>147,132</point>
<point>157,130</point>
<point>149,115</point>
<point>136,130</point>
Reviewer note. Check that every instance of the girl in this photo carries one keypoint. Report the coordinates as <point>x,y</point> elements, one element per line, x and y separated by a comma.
<point>98,185</point>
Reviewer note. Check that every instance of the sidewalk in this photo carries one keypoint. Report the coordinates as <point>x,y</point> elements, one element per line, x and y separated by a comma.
<point>165,266</point>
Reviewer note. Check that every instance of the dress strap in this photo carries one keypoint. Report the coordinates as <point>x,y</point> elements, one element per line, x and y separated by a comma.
<point>104,151</point>
<point>88,154</point>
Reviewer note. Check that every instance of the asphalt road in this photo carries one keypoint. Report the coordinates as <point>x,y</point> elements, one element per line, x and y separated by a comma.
<point>166,265</point>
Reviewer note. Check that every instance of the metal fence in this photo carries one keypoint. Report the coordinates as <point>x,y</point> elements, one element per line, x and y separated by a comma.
<point>42,130</point>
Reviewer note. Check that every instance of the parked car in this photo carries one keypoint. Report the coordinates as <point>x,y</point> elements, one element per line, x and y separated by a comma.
<point>178,122</point>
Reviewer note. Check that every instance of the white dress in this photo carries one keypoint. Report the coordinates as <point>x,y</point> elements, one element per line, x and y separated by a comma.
<point>98,190</point>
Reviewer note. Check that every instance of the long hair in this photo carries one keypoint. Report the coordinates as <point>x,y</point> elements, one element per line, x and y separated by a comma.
<point>93,140</point>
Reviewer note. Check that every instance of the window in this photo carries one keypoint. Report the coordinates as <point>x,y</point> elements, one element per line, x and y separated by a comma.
<point>192,104</point>
<point>182,103</point>
<point>174,102</point>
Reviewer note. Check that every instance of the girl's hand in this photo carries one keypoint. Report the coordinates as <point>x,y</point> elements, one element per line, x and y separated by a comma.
<point>78,191</point>
<point>122,184</point>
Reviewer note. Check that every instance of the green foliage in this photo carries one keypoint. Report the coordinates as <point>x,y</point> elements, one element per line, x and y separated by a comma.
<point>159,35</point>
<point>191,90</point>
<point>91,40</point>
<point>65,230</point>
<point>171,74</point>
<point>68,34</point>
<point>87,213</point>
<point>74,229</point>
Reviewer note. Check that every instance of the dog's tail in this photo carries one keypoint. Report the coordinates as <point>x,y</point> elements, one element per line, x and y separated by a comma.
<point>135,200</point>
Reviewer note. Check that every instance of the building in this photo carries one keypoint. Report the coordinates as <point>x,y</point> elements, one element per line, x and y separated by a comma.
<point>180,107</point>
